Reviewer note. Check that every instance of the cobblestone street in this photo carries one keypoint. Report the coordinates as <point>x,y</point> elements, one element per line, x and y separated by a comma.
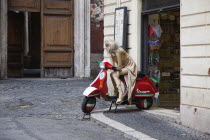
<point>155,126</point>
<point>50,109</point>
<point>47,109</point>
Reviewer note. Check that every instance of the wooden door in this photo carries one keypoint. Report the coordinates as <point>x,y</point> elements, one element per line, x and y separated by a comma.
<point>15,44</point>
<point>24,5</point>
<point>57,38</point>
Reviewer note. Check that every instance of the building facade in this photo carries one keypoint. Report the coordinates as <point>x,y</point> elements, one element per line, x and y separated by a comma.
<point>182,60</point>
<point>51,36</point>
<point>195,64</point>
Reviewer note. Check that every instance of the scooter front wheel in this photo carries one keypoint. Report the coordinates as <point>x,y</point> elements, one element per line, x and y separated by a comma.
<point>88,104</point>
<point>145,103</point>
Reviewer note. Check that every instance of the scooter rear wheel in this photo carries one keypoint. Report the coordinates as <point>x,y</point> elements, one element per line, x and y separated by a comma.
<point>145,103</point>
<point>88,104</point>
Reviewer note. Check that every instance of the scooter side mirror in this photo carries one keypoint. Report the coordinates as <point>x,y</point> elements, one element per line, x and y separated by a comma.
<point>98,62</point>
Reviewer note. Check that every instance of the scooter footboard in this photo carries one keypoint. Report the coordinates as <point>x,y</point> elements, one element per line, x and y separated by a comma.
<point>91,92</point>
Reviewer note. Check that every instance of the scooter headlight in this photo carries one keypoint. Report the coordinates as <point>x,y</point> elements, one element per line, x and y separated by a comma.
<point>102,65</point>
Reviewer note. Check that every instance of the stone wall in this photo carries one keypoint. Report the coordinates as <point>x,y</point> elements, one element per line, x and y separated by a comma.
<point>195,64</point>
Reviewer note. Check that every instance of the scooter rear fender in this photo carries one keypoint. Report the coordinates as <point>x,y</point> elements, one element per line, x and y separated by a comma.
<point>91,92</point>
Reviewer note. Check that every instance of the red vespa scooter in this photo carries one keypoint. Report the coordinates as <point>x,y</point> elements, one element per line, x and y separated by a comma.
<point>142,95</point>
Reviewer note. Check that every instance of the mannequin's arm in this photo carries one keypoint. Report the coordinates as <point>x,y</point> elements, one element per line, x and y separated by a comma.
<point>119,60</point>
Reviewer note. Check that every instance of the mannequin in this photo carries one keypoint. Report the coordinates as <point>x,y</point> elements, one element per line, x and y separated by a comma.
<point>128,67</point>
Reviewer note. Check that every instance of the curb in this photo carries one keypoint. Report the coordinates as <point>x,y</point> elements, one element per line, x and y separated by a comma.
<point>99,118</point>
<point>130,133</point>
<point>166,114</point>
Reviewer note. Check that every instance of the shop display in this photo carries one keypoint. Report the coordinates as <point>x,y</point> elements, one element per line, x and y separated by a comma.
<point>154,59</point>
<point>163,16</point>
<point>164,53</point>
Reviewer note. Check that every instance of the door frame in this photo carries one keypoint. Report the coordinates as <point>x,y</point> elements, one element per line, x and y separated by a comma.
<point>145,38</point>
<point>3,39</point>
<point>81,38</point>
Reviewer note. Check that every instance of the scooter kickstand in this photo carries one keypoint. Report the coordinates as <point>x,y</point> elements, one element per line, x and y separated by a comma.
<point>115,111</point>
<point>111,106</point>
<point>86,114</point>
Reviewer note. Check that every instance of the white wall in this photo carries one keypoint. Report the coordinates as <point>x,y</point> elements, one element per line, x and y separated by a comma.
<point>195,63</point>
<point>134,25</point>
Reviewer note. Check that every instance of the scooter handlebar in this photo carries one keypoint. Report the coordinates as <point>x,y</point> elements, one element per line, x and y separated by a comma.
<point>115,69</point>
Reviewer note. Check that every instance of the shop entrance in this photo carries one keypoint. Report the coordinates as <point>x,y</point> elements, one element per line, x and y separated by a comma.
<point>164,56</point>
<point>161,48</point>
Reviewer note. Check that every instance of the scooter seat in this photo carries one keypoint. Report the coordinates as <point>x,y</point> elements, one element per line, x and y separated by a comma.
<point>140,74</point>
<point>112,98</point>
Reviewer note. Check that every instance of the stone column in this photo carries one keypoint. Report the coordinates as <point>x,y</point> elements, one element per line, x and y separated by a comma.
<point>82,38</point>
<point>3,38</point>
<point>87,38</point>
<point>136,6</point>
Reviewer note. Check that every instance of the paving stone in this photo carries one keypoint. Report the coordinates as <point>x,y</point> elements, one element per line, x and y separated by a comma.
<point>36,108</point>
<point>47,109</point>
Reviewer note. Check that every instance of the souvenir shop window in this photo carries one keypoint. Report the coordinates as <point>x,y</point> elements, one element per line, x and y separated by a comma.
<point>164,50</point>
<point>154,44</point>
